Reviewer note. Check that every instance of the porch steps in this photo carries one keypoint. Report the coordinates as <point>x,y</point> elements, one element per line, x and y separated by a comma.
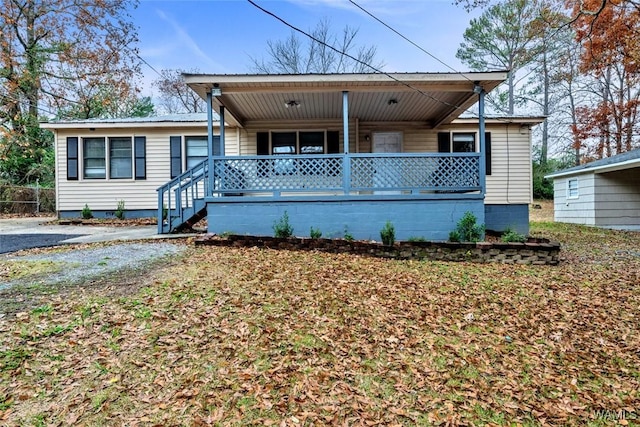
<point>185,220</point>
<point>181,201</point>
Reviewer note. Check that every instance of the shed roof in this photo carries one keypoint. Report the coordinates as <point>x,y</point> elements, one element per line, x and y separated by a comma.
<point>627,160</point>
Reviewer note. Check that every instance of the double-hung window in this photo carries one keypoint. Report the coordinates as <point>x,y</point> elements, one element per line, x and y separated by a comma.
<point>94,158</point>
<point>112,157</point>
<point>197,150</point>
<point>573,191</point>
<point>463,142</point>
<point>120,158</point>
<point>311,142</point>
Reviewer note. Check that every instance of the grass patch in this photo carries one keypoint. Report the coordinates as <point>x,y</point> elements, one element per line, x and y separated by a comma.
<point>22,269</point>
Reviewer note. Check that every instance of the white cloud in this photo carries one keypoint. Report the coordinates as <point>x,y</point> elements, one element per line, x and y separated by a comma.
<point>188,45</point>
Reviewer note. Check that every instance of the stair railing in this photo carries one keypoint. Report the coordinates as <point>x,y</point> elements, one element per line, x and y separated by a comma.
<point>177,198</point>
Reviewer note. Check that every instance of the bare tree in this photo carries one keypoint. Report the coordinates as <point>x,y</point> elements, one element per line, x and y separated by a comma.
<point>325,52</point>
<point>175,95</point>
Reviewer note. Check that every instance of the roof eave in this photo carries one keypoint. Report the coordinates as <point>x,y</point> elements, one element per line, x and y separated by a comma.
<point>123,125</point>
<point>597,169</point>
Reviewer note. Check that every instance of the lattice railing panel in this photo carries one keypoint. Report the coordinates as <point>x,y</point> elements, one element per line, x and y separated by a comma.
<point>278,173</point>
<point>367,172</point>
<point>414,172</point>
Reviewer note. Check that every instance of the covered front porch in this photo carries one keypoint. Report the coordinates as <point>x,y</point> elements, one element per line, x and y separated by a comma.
<point>423,195</point>
<point>344,191</point>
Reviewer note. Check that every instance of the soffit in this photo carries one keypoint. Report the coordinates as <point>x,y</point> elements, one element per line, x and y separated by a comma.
<point>432,99</point>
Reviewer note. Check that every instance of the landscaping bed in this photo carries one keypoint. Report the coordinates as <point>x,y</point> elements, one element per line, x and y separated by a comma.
<point>536,251</point>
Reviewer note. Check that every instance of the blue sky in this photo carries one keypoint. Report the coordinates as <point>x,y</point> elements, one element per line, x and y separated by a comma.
<point>220,36</point>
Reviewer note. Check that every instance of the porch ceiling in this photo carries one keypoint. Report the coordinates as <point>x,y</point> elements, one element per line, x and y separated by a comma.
<point>430,99</point>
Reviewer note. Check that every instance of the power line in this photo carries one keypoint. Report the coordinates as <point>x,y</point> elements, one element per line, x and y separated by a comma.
<point>293,27</point>
<point>407,39</point>
<point>422,49</point>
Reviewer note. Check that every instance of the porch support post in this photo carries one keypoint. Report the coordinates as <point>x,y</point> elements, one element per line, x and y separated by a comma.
<point>481,138</point>
<point>222,153</point>
<point>210,142</point>
<point>346,163</point>
<point>345,120</point>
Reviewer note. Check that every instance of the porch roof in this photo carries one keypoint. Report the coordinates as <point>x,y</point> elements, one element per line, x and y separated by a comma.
<point>429,99</point>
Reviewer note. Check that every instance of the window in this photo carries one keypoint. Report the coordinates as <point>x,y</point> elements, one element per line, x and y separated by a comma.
<point>94,158</point>
<point>302,142</point>
<point>572,189</point>
<point>463,142</point>
<point>311,142</point>
<point>120,158</point>
<point>110,157</point>
<point>196,150</point>
<point>283,143</point>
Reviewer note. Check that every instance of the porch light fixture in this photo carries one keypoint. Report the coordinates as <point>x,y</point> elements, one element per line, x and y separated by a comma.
<point>392,101</point>
<point>292,103</point>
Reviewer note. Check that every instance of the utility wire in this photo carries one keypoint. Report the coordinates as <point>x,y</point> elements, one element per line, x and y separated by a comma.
<point>293,27</point>
<point>408,40</point>
<point>422,49</point>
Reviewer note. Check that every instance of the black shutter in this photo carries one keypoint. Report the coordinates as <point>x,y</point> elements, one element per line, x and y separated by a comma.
<point>333,142</point>
<point>487,152</point>
<point>444,142</point>
<point>262,143</point>
<point>175,152</point>
<point>72,158</point>
<point>140,153</point>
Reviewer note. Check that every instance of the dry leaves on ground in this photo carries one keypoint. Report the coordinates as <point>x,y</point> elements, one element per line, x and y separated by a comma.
<point>260,337</point>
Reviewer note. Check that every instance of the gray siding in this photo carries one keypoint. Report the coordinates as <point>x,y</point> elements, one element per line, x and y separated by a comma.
<point>574,210</point>
<point>618,198</point>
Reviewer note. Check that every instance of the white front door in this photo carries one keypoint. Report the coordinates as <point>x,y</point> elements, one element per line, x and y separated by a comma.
<point>387,174</point>
<point>387,142</point>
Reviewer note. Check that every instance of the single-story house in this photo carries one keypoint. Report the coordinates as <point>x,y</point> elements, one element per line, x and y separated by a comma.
<point>337,152</point>
<point>604,193</point>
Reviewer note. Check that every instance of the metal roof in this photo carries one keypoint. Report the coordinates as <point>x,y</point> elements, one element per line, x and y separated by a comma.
<point>429,99</point>
<point>160,121</point>
<point>627,160</point>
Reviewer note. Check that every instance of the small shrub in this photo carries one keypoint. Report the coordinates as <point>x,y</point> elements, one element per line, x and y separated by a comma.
<point>282,228</point>
<point>315,233</point>
<point>388,234</point>
<point>165,212</point>
<point>467,230</point>
<point>86,212</point>
<point>347,236</point>
<point>416,239</point>
<point>120,210</point>
<point>513,236</point>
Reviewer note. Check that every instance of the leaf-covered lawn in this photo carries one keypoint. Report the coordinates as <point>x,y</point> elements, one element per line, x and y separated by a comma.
<point>260,337</point>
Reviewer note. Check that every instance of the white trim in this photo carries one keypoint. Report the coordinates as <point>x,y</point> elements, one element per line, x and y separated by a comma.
<point>598,169</point>
<point>341,79</point>
<point>124,125</point>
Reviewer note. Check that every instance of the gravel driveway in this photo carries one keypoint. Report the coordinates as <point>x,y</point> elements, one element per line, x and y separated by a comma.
<point>79,265</point>
<point>28,278</point>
